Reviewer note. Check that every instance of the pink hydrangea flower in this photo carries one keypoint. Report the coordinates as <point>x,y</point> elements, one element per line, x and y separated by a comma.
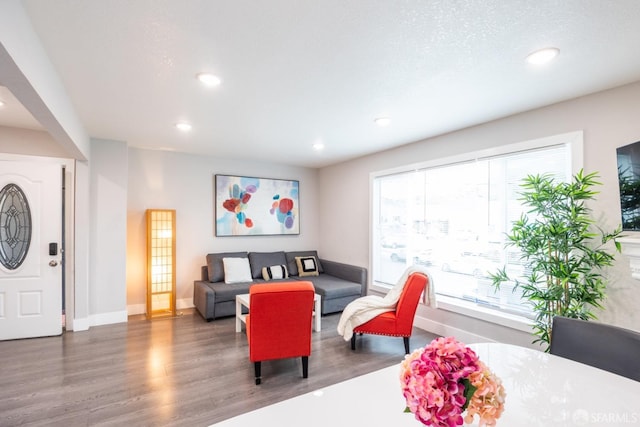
<point>488,400</point>
<point>433,384</point>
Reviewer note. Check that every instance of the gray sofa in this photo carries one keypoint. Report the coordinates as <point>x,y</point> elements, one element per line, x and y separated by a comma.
<point>338,284</point>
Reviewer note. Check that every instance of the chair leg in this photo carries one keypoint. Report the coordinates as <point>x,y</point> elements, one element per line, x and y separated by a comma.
<point>406,344</point>
<point>353,341</point>
<point>305,366</point>
<point>257,366</point>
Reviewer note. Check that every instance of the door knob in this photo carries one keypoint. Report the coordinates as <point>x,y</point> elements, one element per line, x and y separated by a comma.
<point>53,263</point>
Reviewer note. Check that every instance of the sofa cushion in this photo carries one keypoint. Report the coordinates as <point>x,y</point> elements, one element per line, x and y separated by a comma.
<point>291,261</point>
<point>331,287</point>
<point>215,266</point>
<point>227,293</point>
<point>275,272</point>
<point>258,260</point>
<point>307,266</point>
<point>236,270</point>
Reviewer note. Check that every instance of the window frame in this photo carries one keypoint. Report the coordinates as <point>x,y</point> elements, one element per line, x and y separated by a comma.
<point>574,143</point>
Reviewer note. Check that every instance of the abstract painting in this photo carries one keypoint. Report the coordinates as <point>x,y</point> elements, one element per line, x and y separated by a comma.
<point>249,206</point>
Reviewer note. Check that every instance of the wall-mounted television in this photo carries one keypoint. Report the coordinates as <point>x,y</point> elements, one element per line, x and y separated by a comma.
<point>629,181</point>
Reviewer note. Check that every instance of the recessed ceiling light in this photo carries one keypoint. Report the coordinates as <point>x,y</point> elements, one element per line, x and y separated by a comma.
<point>184,127</point>
<point>383,121</point>
<point>1,103</point>
<point>209,79</point>
<point>542,56</point>
<point>318,146</point>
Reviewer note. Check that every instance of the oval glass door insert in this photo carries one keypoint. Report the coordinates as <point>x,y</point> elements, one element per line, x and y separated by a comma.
<point>15,226</point>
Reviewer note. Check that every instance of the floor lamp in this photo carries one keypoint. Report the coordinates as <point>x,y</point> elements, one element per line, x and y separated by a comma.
<point>161,262</point>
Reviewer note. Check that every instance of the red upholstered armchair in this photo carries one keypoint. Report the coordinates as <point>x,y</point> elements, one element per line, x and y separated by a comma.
<point>279,323</point>
<point>398,323</point>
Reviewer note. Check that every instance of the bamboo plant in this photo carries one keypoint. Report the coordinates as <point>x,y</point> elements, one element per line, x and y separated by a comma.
<point>563,250</point>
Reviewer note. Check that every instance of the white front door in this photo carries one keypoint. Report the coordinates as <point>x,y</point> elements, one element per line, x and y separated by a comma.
<point>30,234</point>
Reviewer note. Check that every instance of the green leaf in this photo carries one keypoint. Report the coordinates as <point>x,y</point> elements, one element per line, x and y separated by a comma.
<point>469,390</point>
<point>563,248</point>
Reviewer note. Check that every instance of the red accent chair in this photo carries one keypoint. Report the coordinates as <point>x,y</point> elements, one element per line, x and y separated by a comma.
<point>279,323</point>
<point>398,323</point>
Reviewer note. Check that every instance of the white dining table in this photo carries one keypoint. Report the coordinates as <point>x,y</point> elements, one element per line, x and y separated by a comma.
<point>542,390</point>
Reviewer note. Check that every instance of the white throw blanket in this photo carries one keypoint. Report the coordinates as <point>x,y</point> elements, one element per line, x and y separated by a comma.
<point>366,308</point>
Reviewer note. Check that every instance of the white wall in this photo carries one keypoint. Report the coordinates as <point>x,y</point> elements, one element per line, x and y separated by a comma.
<point>29,142</point>
<point>27,72</point>
<point>82,221</point>
<point>185,182</point>
<point>108,225</point>
<point>609,120</point>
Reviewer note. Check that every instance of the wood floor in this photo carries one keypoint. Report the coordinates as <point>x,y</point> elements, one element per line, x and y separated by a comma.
<point>181,371</point>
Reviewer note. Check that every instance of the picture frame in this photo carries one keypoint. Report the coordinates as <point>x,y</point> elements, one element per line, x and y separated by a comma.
<point>252,206</point>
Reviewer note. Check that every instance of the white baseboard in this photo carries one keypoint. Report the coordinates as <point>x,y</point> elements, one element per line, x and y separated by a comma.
<point>109,318</point>
<point>83,324</point>
<point>184,303</point>
<point>181,304</point>
<point>133,309</point>
<point>80,324</point>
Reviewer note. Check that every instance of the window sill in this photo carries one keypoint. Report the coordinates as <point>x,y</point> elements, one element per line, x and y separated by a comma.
<point>512,321</point>
<point>475,311</point>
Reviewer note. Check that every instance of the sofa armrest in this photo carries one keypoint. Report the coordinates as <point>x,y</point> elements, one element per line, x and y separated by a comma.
<point>348,272</point>
<point>204,299</point>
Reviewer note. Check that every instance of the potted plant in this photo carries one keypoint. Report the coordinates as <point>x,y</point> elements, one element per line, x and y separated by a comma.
<point>563,251</point>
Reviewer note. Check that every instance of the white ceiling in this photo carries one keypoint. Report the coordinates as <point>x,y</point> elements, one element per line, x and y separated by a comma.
<point>297,72</point>
<point>14,114</point>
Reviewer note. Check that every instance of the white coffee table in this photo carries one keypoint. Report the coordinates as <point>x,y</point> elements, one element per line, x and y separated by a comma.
<point>242,300</point>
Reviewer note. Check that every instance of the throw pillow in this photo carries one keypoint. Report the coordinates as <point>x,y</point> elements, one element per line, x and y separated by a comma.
<point>292,266</point>
<point>215,267</point>
<point>236,270</point>
<point>307,266</point>
<point>258,260</point>
<point>275,272</point>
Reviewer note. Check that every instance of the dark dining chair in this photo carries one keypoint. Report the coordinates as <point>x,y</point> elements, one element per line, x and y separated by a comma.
<point>607,347</point>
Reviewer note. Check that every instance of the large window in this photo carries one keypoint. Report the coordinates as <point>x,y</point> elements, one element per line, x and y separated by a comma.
<point>452,217</point>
